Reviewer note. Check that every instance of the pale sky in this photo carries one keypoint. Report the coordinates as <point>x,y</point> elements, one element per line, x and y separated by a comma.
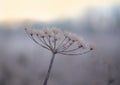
<point>45,10</point>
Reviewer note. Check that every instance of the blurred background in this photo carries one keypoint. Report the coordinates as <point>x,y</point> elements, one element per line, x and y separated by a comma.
<point>23,62</point>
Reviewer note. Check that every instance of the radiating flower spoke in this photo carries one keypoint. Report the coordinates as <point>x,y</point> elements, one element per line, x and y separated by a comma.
<point>72,50</point>
<point>50,43</point>
<point>75,53</point>
<point>40,39</point>
<point>61,43</point>
<point>47,44</point>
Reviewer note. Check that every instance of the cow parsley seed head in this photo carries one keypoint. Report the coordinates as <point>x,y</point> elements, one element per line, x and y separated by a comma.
<point>52,40</point>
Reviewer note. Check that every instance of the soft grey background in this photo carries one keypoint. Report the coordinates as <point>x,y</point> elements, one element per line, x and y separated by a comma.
<point>23,62</point>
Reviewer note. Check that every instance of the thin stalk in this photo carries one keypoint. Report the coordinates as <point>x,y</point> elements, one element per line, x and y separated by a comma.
<point>75,53</point>
<point>71,50</point>
<point>50,42</point>
<point>68,47</point>
<point>49,70</point>
<point>47,44</point>
<point>65,44</point>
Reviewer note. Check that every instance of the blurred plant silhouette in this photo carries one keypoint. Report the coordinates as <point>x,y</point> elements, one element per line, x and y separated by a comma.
<point>58,43</point>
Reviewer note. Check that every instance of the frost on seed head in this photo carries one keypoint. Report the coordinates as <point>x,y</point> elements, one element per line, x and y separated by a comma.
<point>52,40</point>
<point>73,37</point>
<point>42,34</point>
<point>67,34</point>
<point>29,31</point>
<point>48,32</point>
<point>70,36</point>
<point>81,43</point>
<point>55,31</point>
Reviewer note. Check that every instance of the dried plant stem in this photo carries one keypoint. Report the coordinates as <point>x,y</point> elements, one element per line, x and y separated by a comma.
<point>49,69</point>
<point>50,40</point>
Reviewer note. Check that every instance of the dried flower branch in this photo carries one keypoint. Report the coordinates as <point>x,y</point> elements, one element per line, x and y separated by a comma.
<point>58,43</point>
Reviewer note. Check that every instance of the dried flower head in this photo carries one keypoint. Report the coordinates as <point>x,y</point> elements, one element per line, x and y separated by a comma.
<point>51,39</point>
